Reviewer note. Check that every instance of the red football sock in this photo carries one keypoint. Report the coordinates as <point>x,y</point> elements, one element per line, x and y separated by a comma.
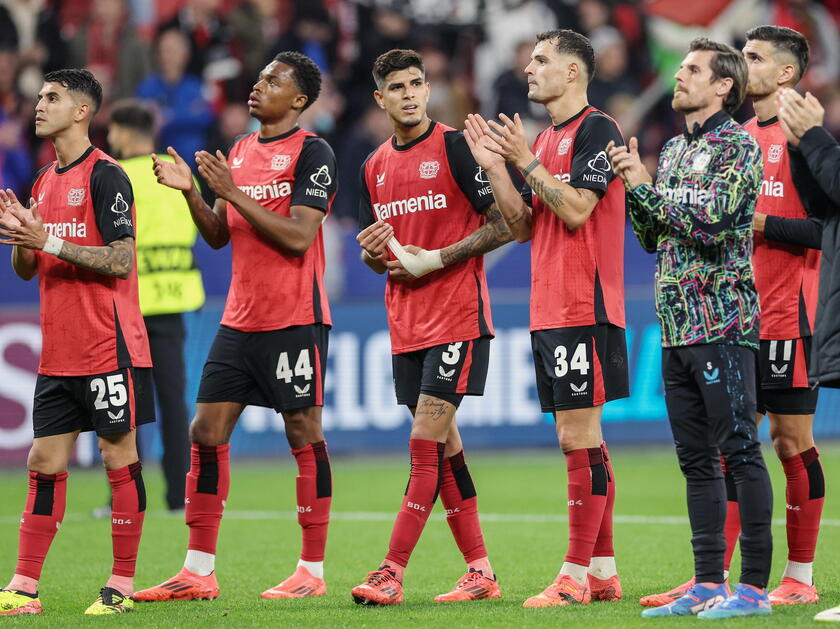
<point>732,528</point>
<point>128,506</point>
<point>420,496</point>
<point>41,518</point>
<point>457,493</point>
<point>604,543</point>
<point>805,496</point>
<point>314,495</point>
<point>587,501</point>
<point>207,488</point>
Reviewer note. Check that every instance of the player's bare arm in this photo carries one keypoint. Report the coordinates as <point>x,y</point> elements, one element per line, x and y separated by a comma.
<point>373,240</point>
<point>211,222</point>
<point>24,261</point>
<point>294,233</point>
<point>571,205</point>
<point>514,210</point>
<point>492,235</point>
<point>115,259</point>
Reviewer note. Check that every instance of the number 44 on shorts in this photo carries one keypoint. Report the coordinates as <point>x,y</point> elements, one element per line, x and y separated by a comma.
<point>303,367</point>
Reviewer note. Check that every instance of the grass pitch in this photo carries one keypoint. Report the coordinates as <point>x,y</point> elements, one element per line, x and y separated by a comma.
<point>521,499</point>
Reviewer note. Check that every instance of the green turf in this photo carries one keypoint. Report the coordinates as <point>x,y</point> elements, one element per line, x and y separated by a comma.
<point>258,549</point>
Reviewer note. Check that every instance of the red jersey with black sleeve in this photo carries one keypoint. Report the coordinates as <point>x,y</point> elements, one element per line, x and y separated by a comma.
<point>433,193</point>
<point>90,322</point>
<point>786,275</point>
<point>577,276</point>
<point>271,289</point>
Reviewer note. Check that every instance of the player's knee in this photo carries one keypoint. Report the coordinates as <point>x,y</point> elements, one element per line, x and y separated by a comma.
<point>787,445</point>
<point>207,433</point>
<point>44,462</point>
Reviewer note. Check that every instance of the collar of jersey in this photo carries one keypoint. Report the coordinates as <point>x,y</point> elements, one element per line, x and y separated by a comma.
<point>713,121</point>
<point>767,122</point>
<point>415,141</point>
<point>282,136</point>
<point>557,127</point>
<point>83,157</point>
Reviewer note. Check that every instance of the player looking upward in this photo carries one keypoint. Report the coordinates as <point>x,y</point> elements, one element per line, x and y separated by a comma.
<point>78,238</point>
<point>274,189</point>
<point>572,211</point>
<point>424,188</point>
<point>697,217</point>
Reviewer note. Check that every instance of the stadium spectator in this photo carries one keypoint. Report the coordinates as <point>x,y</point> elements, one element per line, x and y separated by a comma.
<point>510,92</point>
<point>15,162</point>
<point>185,113</point>
<point>33,28</point>
<point>108,46</point>
<point>208,34</point>
<point>611,78</point>
<point>450,101</point>
<point>817,25</point>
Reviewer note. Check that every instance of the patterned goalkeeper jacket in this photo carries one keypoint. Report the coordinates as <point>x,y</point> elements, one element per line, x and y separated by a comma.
<point>697,218</point>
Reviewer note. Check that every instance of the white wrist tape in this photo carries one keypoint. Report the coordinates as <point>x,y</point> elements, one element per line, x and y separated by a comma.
<point>418,264</point>
<point>53,245</point>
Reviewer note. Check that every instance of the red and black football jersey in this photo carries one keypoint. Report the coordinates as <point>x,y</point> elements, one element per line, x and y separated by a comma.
<point>90,322</point>
<point>577,276</point>
<point>433,193</point>
<point>271,289</point>
<point>786,275</point>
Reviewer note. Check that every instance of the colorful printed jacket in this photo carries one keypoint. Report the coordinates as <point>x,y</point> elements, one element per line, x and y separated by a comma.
<point>697,217</point>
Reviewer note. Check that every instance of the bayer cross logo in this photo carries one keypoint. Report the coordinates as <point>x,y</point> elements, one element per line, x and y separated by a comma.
<point>429,170</point>
<point>774,153</point>
<point>564,146</point>
<point>280,162</point>
<point>75,196</point>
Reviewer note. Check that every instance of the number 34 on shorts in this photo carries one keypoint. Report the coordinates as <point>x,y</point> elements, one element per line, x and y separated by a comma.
<point>580,367</point>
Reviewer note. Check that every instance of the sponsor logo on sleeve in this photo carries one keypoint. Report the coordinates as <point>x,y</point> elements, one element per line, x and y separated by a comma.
<point>321,179</point>
<point>429,170</point>
<point>482,178</point>
<point>598,167</point>
<point>119,206</point>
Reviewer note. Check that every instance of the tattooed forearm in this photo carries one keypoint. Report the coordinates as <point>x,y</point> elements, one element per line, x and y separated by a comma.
<point>493,234</point>
<point>552,197</point>
<point>116,258</point>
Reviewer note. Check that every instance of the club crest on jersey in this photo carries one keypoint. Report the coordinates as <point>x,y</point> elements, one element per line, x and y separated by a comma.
<point>429,170</point>
<point>321,178</point>
<point>774,153</point>
<point>280,162</point>
<point>75,196</point>
<point>701,162</point>
<point>564,146</point>
<point>119,206</point>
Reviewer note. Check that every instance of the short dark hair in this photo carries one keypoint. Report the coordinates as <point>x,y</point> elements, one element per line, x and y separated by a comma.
<point>77,80</point>
<point>785,39</point>
<point>306,72</point>
<point>131,113</point>
<point>728,63</point>
<point>569,42</point>
<point>395,60</point>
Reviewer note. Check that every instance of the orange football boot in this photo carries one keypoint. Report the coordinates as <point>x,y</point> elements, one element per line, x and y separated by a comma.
<point>300,585</point>
<point>793,592</point>
<point>380,588</point>
<point>564,591</point>
<point>604,589</point>
<point>184,586</point>
<point>472,586</point>
<point>658,600</point>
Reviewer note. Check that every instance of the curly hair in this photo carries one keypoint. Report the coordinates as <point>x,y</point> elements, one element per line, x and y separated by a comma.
<point>307,75</point>
<point>77,80</point>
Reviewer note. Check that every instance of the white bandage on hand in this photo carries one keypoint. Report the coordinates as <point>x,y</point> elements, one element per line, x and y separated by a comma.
<point>418,264</point>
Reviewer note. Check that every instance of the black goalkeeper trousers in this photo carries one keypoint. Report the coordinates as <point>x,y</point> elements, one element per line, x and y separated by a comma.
<point>710,392</point>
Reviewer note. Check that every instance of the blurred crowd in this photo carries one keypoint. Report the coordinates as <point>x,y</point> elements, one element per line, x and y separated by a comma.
<point>195,60</point>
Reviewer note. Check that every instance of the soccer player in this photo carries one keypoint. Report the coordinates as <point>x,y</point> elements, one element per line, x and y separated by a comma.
<point>423,188</point>
<point>572,209</point>
<point>786,276</point>
<point>78,238</point>
<point>274,191</point>
<point>697,217</point>
<point>168,280</point>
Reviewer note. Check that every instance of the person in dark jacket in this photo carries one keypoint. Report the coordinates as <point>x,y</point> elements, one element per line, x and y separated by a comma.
<point>802,119</point>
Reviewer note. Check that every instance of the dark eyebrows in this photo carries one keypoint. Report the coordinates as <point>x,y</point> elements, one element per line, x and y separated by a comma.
<point>46,94</point>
